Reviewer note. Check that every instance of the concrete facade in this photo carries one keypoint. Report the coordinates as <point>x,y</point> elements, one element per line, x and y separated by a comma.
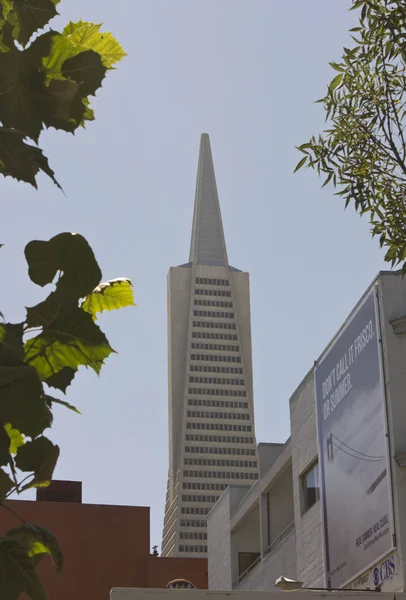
<point>211,414</point>
<point>290,533</point>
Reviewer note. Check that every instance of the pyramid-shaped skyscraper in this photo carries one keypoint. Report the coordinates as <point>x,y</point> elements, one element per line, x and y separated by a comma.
<point>211,414</point>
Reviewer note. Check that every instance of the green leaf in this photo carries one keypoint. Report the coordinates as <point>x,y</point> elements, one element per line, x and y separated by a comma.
<point>51,400</point>
<point>111,295</point>
<point>18,573</point>
<point>38,540</point>
<point>25,101</point>
<point>28,16</point>
<point>40,457</point>
<point>67,252</point>
<point>87,36</point>
<point>11,344</point>
<point>336,82</point>
<point>22,402</point>
<point>16,439</point>
<point>70,341</point>
<point>300,164</point>
<point>6,484</point>
<point>20,160</point>
<point>62,379</point>
<point>87,70</point>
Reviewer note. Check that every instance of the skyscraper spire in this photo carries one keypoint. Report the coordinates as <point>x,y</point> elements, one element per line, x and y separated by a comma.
<point>207,245</point>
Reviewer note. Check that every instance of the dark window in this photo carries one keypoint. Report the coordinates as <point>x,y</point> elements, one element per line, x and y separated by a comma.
<point>246,561</point>
<point>310,486</point>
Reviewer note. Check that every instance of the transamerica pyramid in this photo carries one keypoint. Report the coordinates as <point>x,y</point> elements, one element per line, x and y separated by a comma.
<point>211,414</point>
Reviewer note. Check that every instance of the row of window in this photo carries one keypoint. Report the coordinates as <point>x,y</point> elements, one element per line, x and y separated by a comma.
<point>222,474</point>
<point>221,347</point>
<point>205,292</point>
<point>199,498</point>
<point>215,369</point>
<point>215,450</point>
<point>218,303</point>
<point>220,462</point>
<point>216,380</point>
<point>193,523</point>
<point>218,426</point>
<point>193,549</point>
<point>215,358</point>
<point>204,414</point>
<point>208,281</point>
<point>229,439</point>
<point>218,314</point>
<point>217,403</point>
<point>214,325</point>
<point>208,335</point>
<point>194,510</point>
<point>197,485</point>
<point>218,392</point>
<point>192,535</point>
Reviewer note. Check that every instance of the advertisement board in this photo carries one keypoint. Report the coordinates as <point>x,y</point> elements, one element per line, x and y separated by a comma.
<point>355,485</point>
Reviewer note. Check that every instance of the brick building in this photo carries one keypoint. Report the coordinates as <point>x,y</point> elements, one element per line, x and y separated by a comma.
<point>104,546</point>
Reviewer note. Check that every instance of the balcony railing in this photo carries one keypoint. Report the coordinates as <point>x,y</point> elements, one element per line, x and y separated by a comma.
<point>279,539</point>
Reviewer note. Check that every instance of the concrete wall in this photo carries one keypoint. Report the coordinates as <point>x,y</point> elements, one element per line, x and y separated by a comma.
<point>280,505</point>
<point>392,301</point>
<point>245,538</point>
<point>281,561</point>
<point>219,538</point>
<point>179,282</point>
<point>310,561</point>
<point>142,594</point>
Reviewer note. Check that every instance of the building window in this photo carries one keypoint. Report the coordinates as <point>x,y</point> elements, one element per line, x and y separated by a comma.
<point>310,486</point>
<point>247,561</point>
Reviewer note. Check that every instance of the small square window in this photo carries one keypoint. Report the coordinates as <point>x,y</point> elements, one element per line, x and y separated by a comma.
<point>310,486</point>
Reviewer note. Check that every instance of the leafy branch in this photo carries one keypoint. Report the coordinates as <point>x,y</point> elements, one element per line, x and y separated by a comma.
<point>363,152</point>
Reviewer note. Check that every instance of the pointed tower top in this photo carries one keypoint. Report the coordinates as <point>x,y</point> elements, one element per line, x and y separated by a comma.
<point>207,246</point>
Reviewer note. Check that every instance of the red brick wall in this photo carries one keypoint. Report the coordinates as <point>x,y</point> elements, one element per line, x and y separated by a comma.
<point>104,547</point>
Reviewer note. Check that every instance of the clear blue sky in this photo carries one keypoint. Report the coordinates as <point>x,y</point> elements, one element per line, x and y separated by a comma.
<point>247,72</point>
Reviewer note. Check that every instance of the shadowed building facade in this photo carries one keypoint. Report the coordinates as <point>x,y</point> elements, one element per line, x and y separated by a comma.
<point>211,416</point>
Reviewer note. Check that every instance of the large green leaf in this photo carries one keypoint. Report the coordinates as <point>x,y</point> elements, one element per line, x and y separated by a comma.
<point>40,457</point>
<point>38,541</point>
<point>22,402</point>
<point>11,344</point>
<point>111,295</point>
<point>87,70</point>
<point>20,160</point>
<point>70,341</point>
<point>17,573</point>
<point>28,16</point>
<point>67,252</point>
<point>87,36</point>
<point>25,101</point>
<point>62,379</point>
<point>6,484</point>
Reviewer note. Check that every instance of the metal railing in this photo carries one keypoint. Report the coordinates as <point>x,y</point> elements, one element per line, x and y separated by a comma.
<point>280,538</point>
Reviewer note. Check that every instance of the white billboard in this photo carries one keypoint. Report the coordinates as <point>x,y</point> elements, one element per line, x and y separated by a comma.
<point>355,486</point>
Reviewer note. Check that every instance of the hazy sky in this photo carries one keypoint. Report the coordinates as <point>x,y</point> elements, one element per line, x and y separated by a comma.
<point>247,72</point>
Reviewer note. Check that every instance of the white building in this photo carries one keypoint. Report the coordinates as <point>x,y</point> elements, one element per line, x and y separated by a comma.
<point>167,594</point>
<point>352,404</point>
<point>211,416</point>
